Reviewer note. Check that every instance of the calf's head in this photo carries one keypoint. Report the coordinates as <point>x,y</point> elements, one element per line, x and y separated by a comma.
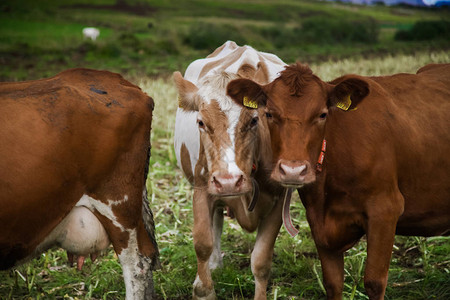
<point>229,135</point>
<point>297,106</point>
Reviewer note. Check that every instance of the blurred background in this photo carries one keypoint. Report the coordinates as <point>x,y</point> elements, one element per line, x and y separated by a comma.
<point>157,37</point>
<point>146,41</point>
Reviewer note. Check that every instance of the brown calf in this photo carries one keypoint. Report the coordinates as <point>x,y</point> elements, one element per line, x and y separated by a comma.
<point>224,151</point>
<point>74,153</point>
<point>368,155</point>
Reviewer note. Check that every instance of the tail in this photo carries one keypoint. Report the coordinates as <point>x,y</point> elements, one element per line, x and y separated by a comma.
<point>149,223</point>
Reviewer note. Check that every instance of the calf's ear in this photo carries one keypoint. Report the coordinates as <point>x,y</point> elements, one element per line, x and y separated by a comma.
<point>247,93</point>
<point>188,99</point>
<point>347,94</point>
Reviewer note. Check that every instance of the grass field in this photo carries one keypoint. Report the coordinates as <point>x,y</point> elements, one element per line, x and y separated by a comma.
<point>420,267</point>
<point>40,38</point>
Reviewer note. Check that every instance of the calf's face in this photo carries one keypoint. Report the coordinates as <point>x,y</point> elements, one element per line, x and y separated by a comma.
<point>297,106</point>
<point>228,135</point>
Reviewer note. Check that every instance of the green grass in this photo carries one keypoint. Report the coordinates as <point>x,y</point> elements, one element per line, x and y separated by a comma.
<point>420,268</point>
<point>39,39</point>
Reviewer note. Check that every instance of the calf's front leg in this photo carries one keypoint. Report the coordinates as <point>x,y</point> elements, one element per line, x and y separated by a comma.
<point>203,287</point>
<point>215,260</point>
<point>262,253</point>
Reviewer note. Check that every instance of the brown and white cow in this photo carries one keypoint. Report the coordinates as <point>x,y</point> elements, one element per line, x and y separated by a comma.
<point>224,151</point>
<point>73,163</point>
<point>369,155</point>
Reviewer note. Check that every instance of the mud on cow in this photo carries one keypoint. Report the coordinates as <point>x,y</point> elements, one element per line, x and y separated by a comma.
<point>73,162</point>
<point>369,155</point>
<point>224,151</point>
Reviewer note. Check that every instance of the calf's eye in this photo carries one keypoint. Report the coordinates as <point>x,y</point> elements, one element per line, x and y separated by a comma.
<point>268,115</point>
<point>200,123</point>
<point>254,122</point>
<point>323,116</point>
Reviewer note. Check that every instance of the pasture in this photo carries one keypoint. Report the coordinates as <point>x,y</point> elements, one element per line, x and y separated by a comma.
<point>38,40</point>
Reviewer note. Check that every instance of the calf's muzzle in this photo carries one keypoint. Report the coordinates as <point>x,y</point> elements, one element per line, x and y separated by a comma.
<point>229,183</point>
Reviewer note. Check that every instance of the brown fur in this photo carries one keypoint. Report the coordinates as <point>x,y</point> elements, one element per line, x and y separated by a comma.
<point>296,77</point>
<point>82,132</point>
<point>186,164</point>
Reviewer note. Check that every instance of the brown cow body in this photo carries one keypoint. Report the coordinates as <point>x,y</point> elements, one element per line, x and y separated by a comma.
<point>386,166</point>
<point>76,146</point>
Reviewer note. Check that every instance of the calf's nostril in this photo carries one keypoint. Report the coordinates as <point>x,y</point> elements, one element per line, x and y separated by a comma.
<point>216,182</point>
<point>240,181</point>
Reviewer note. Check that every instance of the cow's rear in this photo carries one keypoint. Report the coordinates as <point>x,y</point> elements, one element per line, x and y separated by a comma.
<point>79,139</point>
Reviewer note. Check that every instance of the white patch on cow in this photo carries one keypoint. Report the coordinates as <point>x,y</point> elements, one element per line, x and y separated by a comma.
<point>249,56</point>
<point>230,153</point>
<point>230,159</point>
<point>187,133</point>
<point>134,268</point>
<point>102,208</point>
<point>194,69</point>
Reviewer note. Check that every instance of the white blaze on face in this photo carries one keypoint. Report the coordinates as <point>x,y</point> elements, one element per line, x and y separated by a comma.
<point>229,158</point>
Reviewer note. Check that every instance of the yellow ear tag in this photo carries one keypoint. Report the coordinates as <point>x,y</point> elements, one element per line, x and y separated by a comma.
<point>249,103</point>
<point>179,102</point>
<point>344,104</point>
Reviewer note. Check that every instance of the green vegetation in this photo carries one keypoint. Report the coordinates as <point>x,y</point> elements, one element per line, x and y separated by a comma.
<point>425,30</point>
<point>150,38</point>
<point>146,41</point>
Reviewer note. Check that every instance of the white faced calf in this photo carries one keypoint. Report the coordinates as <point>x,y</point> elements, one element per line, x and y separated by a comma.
<point>233,156</point>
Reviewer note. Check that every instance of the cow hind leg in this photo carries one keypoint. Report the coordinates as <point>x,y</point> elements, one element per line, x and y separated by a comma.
<point>141,257</point>
<point>132,239</point>
<point>137,271</point>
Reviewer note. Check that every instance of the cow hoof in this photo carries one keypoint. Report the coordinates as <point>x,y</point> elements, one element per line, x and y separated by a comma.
<point>202,296</point>
<point>201,292</point>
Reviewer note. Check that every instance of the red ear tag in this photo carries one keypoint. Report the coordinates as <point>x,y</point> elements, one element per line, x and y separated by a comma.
<point>321,156</point>
<point>254,167</point>
<point>324,145</point>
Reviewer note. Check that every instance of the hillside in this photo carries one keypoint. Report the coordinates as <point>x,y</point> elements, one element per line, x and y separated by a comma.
<point>151,38</point>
